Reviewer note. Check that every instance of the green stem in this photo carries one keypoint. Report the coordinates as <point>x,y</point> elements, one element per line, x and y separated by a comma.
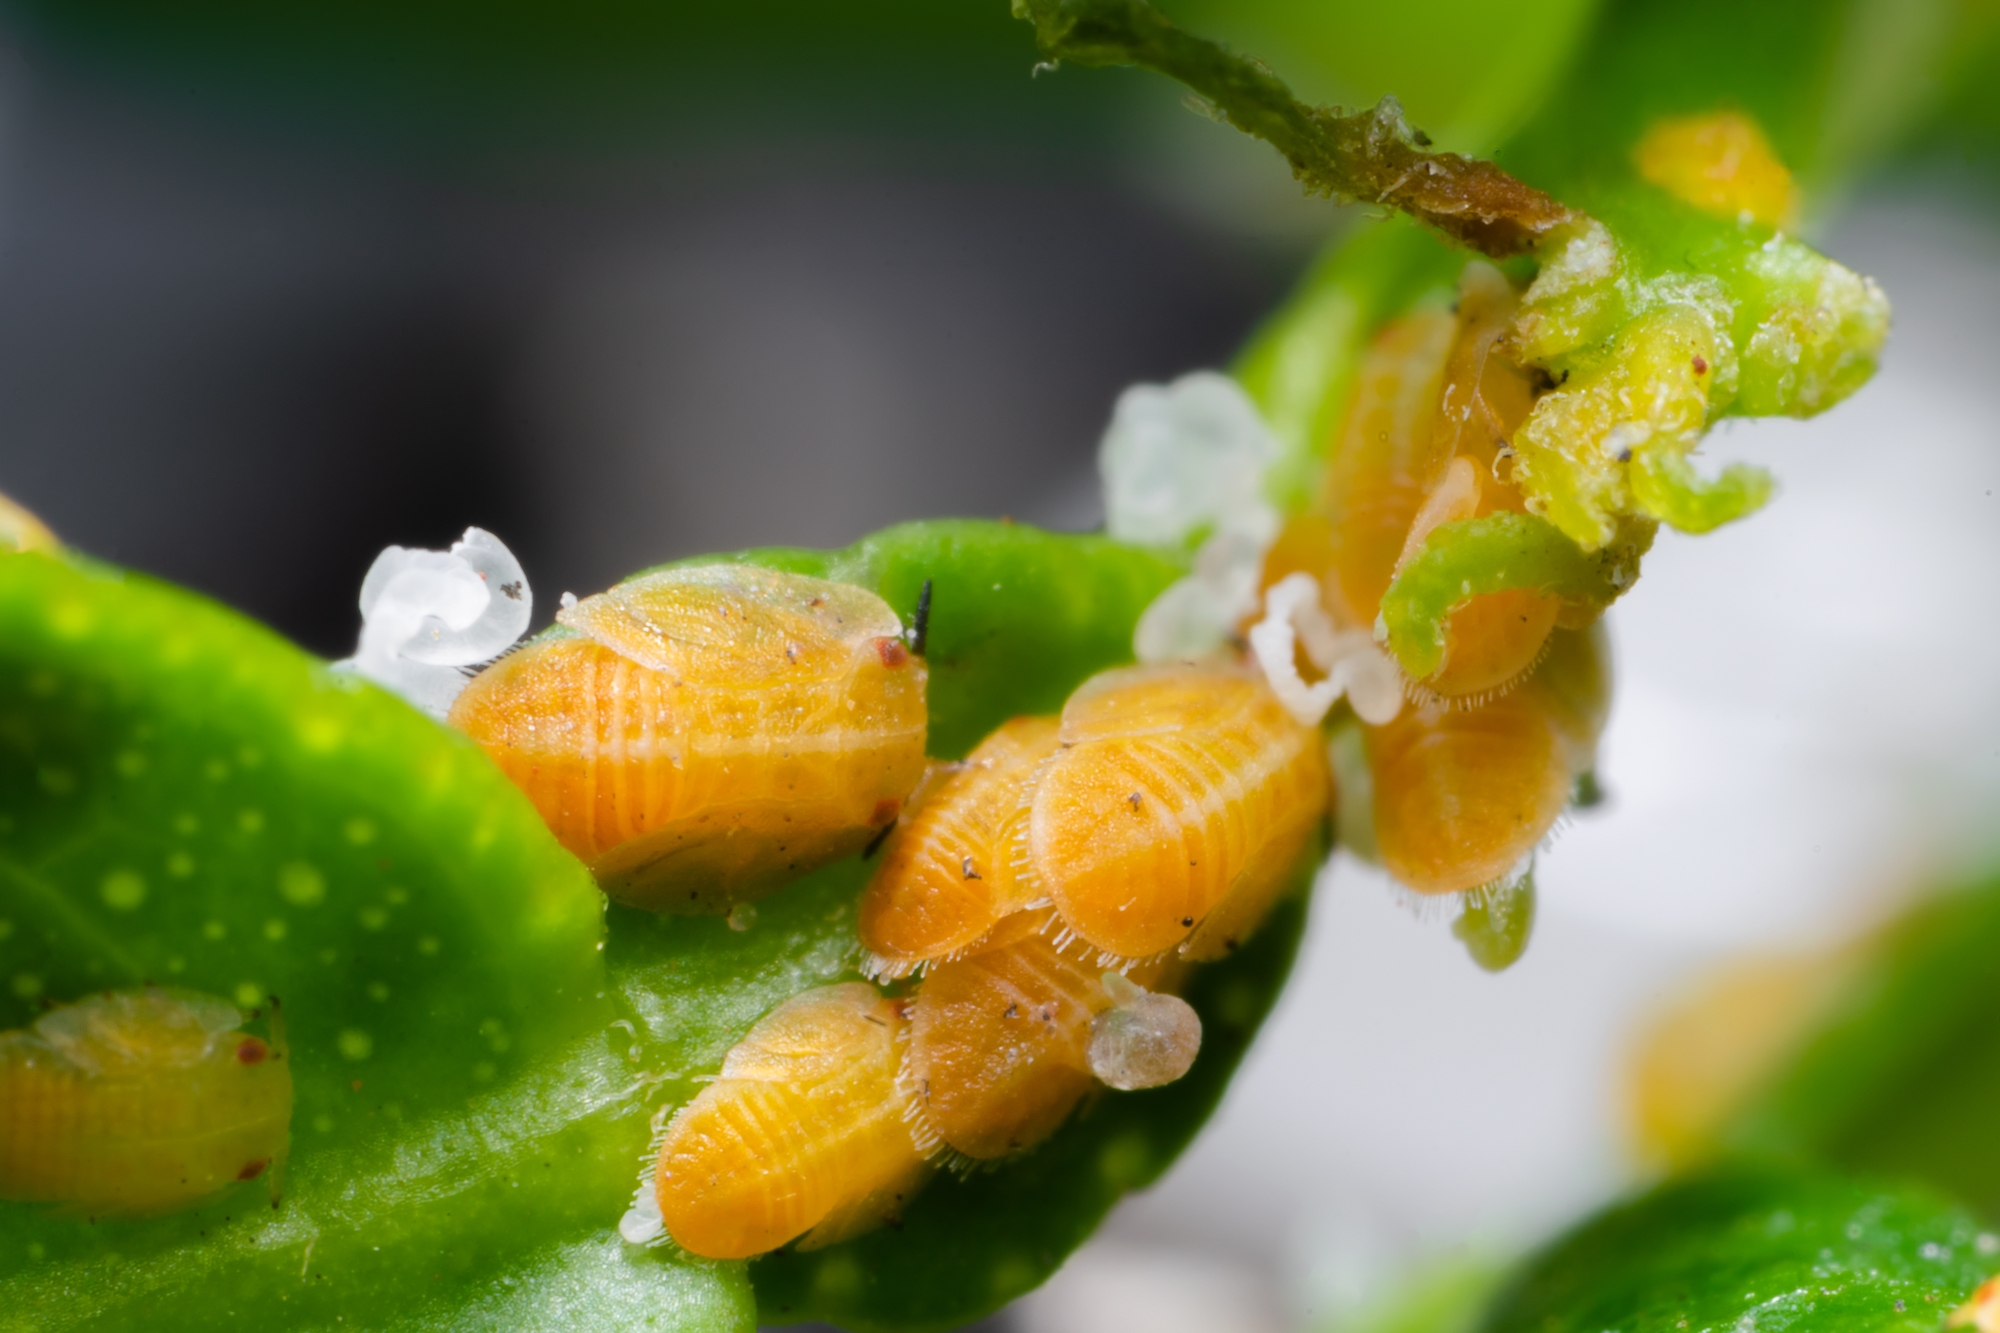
<point>1370,155</point>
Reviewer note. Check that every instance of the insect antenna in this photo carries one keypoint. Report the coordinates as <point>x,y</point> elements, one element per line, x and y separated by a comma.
<point>875,843</point>
<point>920,623</point>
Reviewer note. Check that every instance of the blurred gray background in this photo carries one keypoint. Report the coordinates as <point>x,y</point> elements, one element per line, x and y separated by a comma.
<point>247,360</point>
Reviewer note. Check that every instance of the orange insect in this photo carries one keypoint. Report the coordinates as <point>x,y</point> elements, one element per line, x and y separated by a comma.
<point>140,1102</point>
<point>1424,443</point>
<point>806,1133</point>
<point>948,876</point>
<point>705,734</point>
<point>1176,809</point>
<point>1003,1044</point>
<point>1462,796</point>
<point>1981,1311</point>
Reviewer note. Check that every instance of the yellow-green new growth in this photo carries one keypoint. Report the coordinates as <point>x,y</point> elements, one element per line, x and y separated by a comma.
<point>1645,364</point>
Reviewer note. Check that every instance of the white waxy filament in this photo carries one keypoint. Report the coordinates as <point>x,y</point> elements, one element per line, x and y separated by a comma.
<point>642,1223</point>
<point>1184,463</point>
<point>1354,665</point>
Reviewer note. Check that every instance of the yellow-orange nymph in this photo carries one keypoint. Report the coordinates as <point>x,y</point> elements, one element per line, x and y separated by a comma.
<point>805,1133</point>
<point>704,734</point>
<point>948,876</point>
<point>1425,443</point>
<point>1176,787</point>
<point>139,1102</point>
<point>1001,1045</point>
<point>1463,795</point>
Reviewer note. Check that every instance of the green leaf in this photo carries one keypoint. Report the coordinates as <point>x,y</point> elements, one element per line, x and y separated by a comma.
<point>186,798</point>
<point>1443,1295</point>
<point>1666,486</point>
<point>1754,1249</point>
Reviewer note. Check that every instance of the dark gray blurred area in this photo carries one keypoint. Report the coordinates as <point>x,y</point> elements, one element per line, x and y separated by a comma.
<point>246,361</point>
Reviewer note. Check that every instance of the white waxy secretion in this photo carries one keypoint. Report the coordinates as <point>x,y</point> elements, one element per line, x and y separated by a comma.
<point>1145,1040</point>
<point>1182,460</point>
<point>1353,664</point>
<point>428,615</point>
<point>642,1223</point>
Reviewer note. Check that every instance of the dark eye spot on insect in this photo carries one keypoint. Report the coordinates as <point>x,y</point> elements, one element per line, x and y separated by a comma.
<point>512,590</point>
<point>892,652</point>
<point>1624,455</point>
<point>1187,921</point>
<point>252,1051</point>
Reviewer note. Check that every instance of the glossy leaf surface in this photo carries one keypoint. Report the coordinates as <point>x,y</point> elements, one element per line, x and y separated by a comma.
<point>186,798</point>
<point>1754,1250</point>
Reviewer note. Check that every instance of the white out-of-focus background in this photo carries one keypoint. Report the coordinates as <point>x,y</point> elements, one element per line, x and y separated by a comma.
<point>249,335</point>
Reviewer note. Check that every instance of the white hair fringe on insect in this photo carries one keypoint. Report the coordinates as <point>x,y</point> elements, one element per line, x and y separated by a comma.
<point>429,617</point>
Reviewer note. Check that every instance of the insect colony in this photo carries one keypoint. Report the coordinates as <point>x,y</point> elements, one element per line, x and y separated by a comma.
<point>700,736</point>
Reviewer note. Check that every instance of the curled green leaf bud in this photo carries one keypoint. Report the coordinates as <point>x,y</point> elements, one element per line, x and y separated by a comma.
<point>1500,552</point>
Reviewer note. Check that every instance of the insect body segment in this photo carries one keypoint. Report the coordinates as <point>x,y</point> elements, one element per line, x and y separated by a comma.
<point>948,877</point>
<point>140,1102</point>
<point>1426,444</point>
<point>1179,790</point>
<point>1005,1043</point>
<point>1424,539</point>
<point>1169,805</point>
<point>1462,796</point>
<point>806,1132</point>
<point>709,733</point>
